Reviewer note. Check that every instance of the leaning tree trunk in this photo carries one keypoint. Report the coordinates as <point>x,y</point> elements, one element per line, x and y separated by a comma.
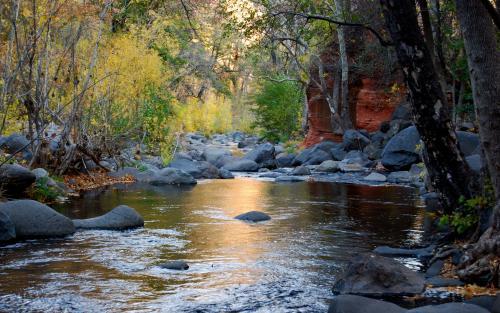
<point>483,58</point>
<point>447,169</point>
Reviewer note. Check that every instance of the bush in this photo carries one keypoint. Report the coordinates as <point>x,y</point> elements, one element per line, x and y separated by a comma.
<point>278,109</point>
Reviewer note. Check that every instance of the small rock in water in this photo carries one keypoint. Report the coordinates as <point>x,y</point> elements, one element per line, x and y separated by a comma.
<point>225,174</point>
<point>289,179</point>
<point>253,216</point>
<point>175,265</point>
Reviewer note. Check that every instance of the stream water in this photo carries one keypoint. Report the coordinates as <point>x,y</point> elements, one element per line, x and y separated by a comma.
<point>287,264</point>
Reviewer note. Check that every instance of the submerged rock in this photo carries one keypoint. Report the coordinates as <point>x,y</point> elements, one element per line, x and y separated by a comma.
<point>289,179</point>
<point>377,276</point>
<point>253,216</point>
<point>358,304</point>
<point>121,217</point>
<point>454,307</point>
<point>33,219</point>
<point>175,265</point>
<point>399,252</point>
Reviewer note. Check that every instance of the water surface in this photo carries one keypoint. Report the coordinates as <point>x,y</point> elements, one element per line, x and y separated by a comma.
<point>287,264</point>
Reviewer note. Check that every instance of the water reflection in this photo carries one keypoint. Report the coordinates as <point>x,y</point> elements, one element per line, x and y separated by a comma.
<point>284,265</point>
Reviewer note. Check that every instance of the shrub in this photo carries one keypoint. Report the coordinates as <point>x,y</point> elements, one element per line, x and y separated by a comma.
<point>278,108</point>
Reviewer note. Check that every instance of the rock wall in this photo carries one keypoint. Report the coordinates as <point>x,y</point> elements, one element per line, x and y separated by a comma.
<point>373,96</point>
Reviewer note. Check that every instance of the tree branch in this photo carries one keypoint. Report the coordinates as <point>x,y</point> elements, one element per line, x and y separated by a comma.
<point>309,16</point>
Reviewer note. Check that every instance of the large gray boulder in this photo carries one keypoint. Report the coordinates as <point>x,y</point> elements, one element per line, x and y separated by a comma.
<point>402,112</point>
<point>301,171</point>
<point>401,151</point>
<point>475,163</point>
<point>14,143</point>
<point>121,217</point>
<point>208,170</point>
<point>262,153</point>
<point>7,228</point>
<point>242,165</point>
<point>311,156</point>
<point>284,160</point>
<point>354,140</point>
<point>376,177</point>
<point>329,166</point>
<point>357,304</point>
<point>468,142</point>
<point>172,176</point>
<point>15,179</point>
<point>187,166</point>
<point>377,276</point>
<point>212,154</point>
<point>33,219</point>
<point>225,174</point>
<point>453,307</point>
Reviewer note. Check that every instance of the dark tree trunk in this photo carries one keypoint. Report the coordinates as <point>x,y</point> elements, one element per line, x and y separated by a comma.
<point>483,58</point>
<point>447,169</point>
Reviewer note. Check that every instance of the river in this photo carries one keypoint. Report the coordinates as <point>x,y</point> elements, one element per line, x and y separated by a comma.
<point>287,264</point>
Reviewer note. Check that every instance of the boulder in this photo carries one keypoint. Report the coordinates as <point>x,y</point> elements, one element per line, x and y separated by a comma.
<point>468,142</point>
<point>242,165</point>
<point>172,176</point>
<point>375,177</point>
<point>126,171</point>
<point>401,150</point>
<point>358,304</point>
<point>15,179</point>
<point>40,173</point>
<point>253,216</point>
<point>7,228</point>
<point>284,160</point>
<point>261,153</point>
<point>301,171</point>
<point>270,175</point>
<point>212,154</point>
<point>326,145</point>
<point>33,219</point>
<point>373,151</point>
<point>15,143</point>
<point>490,303</point>
<point>187,166</point>
<point>338,153</point>
<point>377,276</point>
<point>175,265</point>
<point>347,167</point>
<point>224,160</point>
<point>121,217</point>
<point>302,157</point>
<point>225,174</point>
<point>354,140</point>
<point>317,156</point>
<point>453,307</point>
<point>401,177</point>
<point>207,170</point>
<point>328,166</point>
<point>475,163</point>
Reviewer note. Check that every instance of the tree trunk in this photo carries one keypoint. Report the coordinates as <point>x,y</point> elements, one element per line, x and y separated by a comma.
<point>447,169</point>
<point>483,59</point>
<point>340,8</point>
<point>429,40</point>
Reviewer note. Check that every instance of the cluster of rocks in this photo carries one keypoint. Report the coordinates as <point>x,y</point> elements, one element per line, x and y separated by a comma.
<point>29,219</point>
<point>372,283</point>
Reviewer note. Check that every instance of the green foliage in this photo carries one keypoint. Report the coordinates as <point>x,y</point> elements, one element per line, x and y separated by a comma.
<point>42,192</point>
<point>466,217</point>
<point>278,108</point>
